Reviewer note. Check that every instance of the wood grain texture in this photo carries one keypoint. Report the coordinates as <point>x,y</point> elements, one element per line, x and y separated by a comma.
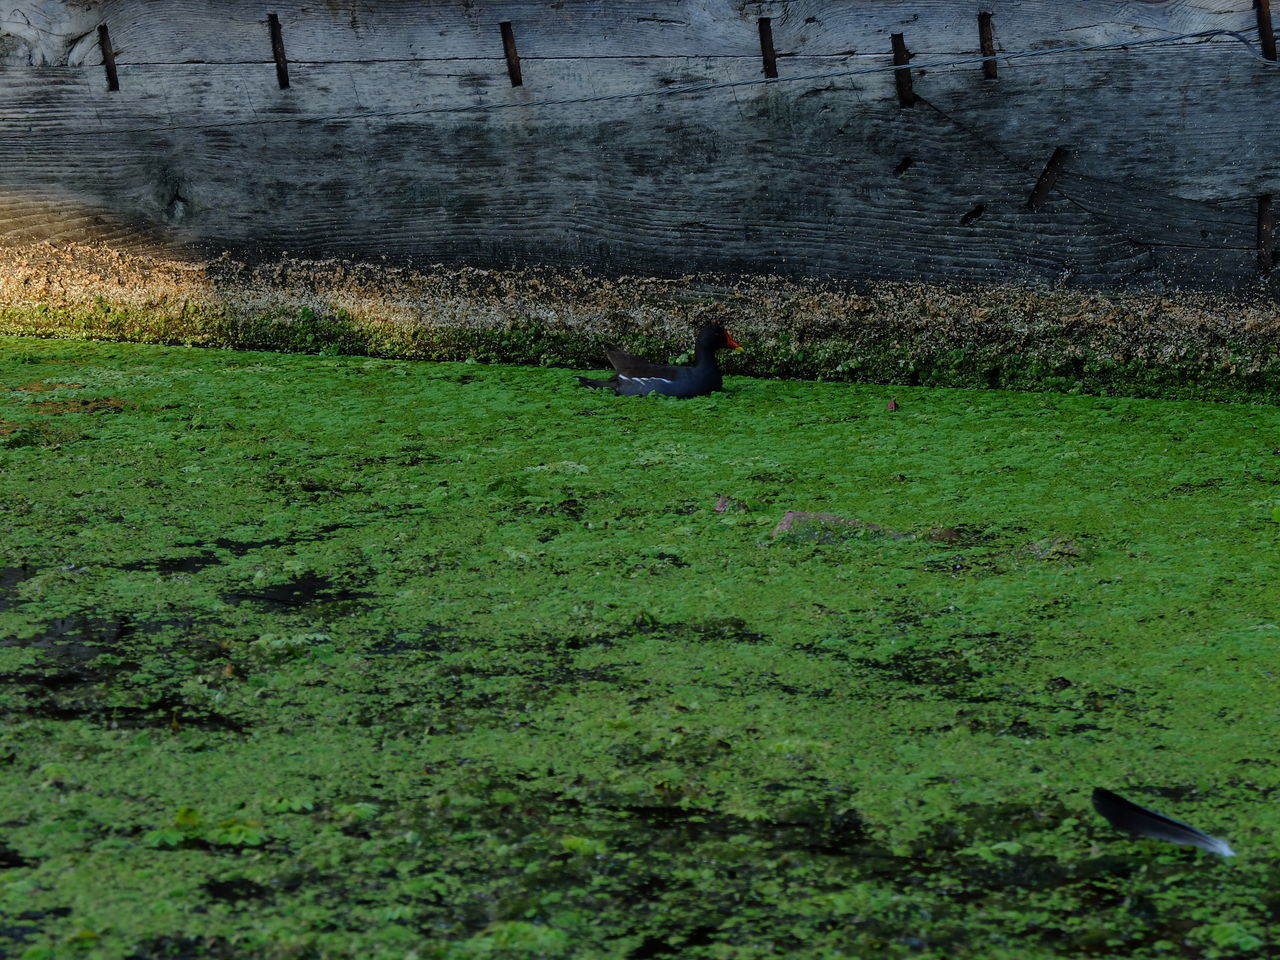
<point>197,31</point>
<point>1168,148</point>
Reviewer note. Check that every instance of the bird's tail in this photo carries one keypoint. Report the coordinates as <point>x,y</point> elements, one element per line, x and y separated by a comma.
<point>1141,821</point>
<point>588,382</point>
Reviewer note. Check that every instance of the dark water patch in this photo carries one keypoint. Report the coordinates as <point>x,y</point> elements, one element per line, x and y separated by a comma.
<point>40,386</point>
<point>239,548</point>
<point>76,658</point>
<point>89,664</point>
<point>452,697</point>
<point>10,579</point>
<point>38,435</point>
<point>998,726</point>
<point>528,680</point>
<point>930,668</point>
<point>814,827</point>
<point>169,712</point>
<point>658,563</point>
<point>674,944</point>
<point>1019,726</point>
<point>58,680</point>
<point>235,889</point>
<point>1057,550</point>
<point>206,557</point>
<point>1010,821</point>
<point>303,591</point>
<point>178,947</point>
<point>727,629</point>
<point>987,849</point>
<point>960,663</point>
<point>1175,792</point>
<point>967,565</point>
<point>429,639</point>
<point>830,649</point>
<point>10,858</point>
<point>569,508</point>
<point>79,636</point>
<point>1210,484</point>
<point>29,923</point>
<point>87,405</point>
<point>964,535</point>
<point>193,563</point>
<point>722,629</point>
<point>768,681</point>
<point>409,455</point>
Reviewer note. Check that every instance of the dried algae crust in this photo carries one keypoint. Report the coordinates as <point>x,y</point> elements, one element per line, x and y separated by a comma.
<point>1172,344</point>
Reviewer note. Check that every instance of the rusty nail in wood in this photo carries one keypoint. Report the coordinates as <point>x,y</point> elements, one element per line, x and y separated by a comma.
<point>277,51</point>
<point>766,47</point>
<point>1266,235</point>
<point>108,57</point>
<point>513,56</point>
<point>902,78</point>
<point>988,45</point>
<point>1048,177</point>
<point>1266,31</point>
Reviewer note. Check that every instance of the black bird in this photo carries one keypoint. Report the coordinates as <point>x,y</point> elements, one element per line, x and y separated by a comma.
<point>1128,816</point>
<point>637,376</point>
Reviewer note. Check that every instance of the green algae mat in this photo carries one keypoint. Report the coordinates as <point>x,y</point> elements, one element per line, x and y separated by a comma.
<point>311,657</point>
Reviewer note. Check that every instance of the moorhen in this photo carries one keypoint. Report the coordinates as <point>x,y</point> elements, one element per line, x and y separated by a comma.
<point>637,376</point>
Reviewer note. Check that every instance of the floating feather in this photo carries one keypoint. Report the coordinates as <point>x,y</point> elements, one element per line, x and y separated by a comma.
<point>1128,816</point>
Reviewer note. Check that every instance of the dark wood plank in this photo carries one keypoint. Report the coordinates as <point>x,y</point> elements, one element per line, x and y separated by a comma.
<point>823,177</point>
<point>1193,122</point>
<point>236,30</point>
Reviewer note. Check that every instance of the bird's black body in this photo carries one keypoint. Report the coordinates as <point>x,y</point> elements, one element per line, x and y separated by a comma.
<point>636,376</point>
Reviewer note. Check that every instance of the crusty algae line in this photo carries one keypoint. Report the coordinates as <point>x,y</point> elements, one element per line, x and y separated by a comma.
<point>1174,344</point>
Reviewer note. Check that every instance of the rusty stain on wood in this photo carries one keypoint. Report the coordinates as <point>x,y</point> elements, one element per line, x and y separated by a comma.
<point>1266,30</point>
<point>766,47</point>
<point>988,45</point>
<point>108,57</point>
<point>902,78</point>
<point>512,55</point>
<point>1266,235</point>
<point>277,51</point>
<point>1048,178</point>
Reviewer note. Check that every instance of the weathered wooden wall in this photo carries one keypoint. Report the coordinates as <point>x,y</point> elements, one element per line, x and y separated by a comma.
<point>1169,149</point>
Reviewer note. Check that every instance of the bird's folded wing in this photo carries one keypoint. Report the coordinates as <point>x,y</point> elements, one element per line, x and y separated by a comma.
<point>629,365</point>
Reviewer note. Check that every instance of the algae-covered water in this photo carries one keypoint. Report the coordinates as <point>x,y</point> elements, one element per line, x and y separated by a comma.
<point>310,657</point>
